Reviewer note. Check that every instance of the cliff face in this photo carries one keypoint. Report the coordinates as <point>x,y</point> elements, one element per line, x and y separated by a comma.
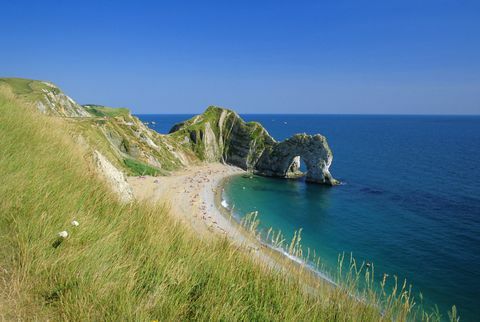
<point>221,135</point>
<point>121,137</point>
<point>132,143</point>
<point>217,135</point>
<point>48,98</point>
<point>282,159</point>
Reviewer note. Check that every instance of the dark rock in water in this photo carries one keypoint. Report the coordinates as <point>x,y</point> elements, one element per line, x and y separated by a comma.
<point>220,135</point>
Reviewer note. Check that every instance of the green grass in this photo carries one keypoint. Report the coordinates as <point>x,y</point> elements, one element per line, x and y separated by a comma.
<point>132,262</point>
<point>101,111</point>
<point>27,88</point>
<point>138,168</point>
<point>19,85</point>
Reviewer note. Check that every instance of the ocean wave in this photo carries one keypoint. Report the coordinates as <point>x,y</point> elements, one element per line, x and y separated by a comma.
<point>224,203</point>
<point>302,262</point>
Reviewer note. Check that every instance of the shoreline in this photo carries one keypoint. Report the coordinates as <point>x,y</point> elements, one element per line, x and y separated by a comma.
<point>266,248</point>
<point>190,194</point>
<point>195,196</point>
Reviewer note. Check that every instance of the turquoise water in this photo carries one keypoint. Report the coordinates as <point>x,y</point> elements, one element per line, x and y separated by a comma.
<point>410,203</point>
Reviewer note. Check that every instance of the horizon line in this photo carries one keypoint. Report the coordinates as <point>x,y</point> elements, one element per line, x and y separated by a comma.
<point>331,114</point>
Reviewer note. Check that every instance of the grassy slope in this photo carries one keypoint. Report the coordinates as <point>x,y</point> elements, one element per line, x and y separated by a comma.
<point>100,111</point>
<point>124,262</point>
<point>26,88</point>
<point>114,124</point>
<point>22,86</point>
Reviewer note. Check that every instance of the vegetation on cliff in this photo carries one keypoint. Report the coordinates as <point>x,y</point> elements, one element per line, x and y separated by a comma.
<point>104,111</point>
<point>222,135</point>
<point>115,132</point>
<point>217,135</point>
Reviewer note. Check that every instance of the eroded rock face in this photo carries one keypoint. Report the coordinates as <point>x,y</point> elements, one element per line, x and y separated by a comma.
<point>57,103</point>
<point>115,178</point>
<point>45,96</point>
<point>283,158</point>
<point>221,135</point>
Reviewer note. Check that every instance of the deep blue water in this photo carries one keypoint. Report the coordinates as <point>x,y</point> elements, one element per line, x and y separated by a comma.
<point>410,203</point>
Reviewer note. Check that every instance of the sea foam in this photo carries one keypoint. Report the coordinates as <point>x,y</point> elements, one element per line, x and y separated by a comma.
<point>224,203</point>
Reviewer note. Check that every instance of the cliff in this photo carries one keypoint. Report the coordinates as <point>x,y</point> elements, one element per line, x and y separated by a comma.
<point>221,135</point>
<point>122,138</point>
<point>217,135</point>
<point>46,97</point>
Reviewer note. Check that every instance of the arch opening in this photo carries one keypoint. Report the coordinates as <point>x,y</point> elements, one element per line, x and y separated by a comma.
<point>297,168</point>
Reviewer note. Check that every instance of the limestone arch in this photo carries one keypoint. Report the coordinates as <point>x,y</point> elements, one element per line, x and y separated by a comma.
<point>313,150</point>
<point>314,171</point>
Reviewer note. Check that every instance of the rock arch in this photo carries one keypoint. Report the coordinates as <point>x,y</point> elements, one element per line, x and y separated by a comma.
<point>312,149</point>
<point>294,169</point>
<point>220,135</point>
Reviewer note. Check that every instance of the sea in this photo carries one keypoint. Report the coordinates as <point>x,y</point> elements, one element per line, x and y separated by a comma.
<point>409,202</point>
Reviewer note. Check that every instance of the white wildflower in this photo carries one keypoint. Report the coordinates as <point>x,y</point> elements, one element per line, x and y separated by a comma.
<point>75,223</point>
<point>63,234</point>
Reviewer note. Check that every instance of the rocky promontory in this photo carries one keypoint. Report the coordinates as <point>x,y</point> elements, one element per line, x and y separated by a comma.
<point>222,135</point>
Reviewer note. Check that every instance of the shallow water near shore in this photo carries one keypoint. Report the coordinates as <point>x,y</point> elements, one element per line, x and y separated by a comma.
<point>410,202</point>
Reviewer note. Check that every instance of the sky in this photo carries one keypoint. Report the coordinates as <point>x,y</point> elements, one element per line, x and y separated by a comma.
<point>326,57</point>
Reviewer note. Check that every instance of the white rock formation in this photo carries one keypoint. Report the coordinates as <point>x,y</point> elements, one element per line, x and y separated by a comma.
<point>114,177</point>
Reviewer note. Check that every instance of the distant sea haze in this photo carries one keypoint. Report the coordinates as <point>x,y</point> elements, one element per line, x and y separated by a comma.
<point>410,203</point>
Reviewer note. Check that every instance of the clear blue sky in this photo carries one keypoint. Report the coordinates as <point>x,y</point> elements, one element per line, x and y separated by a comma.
<point>336,56</point>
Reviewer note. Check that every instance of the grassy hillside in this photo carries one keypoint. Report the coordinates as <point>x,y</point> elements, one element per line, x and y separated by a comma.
<point>26,87</point>
<point>47,97</point>
<point>128,262</point>
<point>120,136</point>
<point>101,111</point>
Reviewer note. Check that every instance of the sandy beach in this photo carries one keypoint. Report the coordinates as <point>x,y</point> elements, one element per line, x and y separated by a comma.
<point>194,197</point>
<point>191,195</point>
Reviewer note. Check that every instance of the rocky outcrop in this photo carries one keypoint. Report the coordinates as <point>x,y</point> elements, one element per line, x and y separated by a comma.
<point>115,132</point>
<point>114,177</point>
<point>46,97</point>
<point>129,138</point>
<point>221,135</point>
<point>283,159</point>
